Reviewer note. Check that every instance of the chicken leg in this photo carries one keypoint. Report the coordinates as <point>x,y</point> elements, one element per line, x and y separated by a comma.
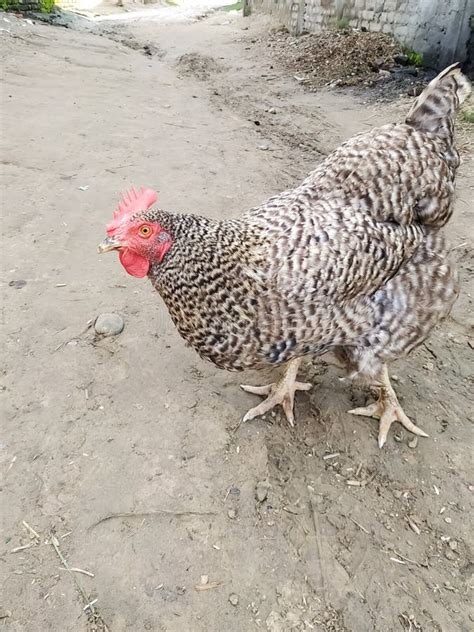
<point>387,408</point>
<point>281,392</point>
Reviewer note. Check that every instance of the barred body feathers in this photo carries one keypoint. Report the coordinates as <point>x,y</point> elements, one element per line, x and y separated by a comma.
<point>351,260</point>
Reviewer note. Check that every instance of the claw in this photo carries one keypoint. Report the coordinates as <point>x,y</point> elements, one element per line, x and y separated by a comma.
<point>281,392</point>
<point>388,410</point>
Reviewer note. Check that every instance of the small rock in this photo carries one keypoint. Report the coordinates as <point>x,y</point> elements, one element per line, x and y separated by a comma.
<point>272,111</point>
<point>232,513</point>
<point>234,491</point>
<point>453,545</point>
<point>109,324</point>
<point>401,59</point>
<point>17,284</point>
<point>264,147</point>
<point>234,599</point>
<point>261,491</point>
<point>397,493</point>
<point>448,520</point>
<point>449,555</point>
<point>429,366</point>
<point>413,443</point>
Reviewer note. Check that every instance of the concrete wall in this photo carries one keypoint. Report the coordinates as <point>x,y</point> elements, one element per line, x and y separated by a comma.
<point>438,29</point>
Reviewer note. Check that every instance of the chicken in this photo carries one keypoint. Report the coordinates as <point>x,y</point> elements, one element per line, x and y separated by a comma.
<point>351,261</point>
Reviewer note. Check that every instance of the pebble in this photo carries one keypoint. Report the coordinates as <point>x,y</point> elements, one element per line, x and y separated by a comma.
<point>109,324</point>
<point>449,555</point>
<point>17,284</point>
<point>453,545</point>
<point>263,147</point>
<point>413,443</point>
<point>448,520</point>
<point>234,599</point>
<point>261,491</point>
<point>232,513</point>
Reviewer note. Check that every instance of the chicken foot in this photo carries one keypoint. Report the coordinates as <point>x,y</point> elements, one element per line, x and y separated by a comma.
<point>281,392</point>
<point>387,408</point>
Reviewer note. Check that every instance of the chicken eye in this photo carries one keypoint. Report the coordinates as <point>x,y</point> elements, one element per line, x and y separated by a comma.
<point>145,231</point>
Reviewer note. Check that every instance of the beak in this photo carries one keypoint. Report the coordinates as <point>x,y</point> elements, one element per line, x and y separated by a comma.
<point>108,244</point>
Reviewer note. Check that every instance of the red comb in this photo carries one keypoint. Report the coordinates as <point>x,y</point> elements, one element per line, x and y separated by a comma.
<point>132,202</point>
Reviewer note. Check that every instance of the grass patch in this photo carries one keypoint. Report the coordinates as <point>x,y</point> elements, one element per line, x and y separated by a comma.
<point>237,6</point>
<point>44,6</point>
<point>414,58</point>
<point>342,24</point>
<point>468,116</point>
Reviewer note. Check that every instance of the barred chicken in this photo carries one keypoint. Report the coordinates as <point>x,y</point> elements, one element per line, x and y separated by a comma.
<point>351,261</point>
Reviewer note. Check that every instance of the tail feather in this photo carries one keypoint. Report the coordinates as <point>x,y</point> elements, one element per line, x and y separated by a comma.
<point>435,109</point>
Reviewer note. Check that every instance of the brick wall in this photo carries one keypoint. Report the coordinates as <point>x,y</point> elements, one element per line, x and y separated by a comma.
<point>438,29</point>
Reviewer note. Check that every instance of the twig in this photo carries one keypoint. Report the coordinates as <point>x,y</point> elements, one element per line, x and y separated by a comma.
<point>360,526</point>
<point>31,530</point>
<point>208,586</point>
<point>88,605</point>
<point>394,559</point>
<point>327,457</point>
<point>400,585</point>
<point>413,526</point>
<point>319,546</point>
<point>406,559</point>
<point>290,510</point>
<point>179,125</point>
<point>22,548</point>
<point>430,351</point>
<point>81,333</point>
<point>55,545</point>
<point>79,570</point>
<point>144,514</point>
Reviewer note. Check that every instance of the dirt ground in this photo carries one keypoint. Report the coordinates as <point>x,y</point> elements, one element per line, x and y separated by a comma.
<point>126,456</point>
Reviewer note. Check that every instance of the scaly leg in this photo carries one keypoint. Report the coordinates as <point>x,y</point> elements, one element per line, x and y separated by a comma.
<point>388,410</point>
<point>281,392</point>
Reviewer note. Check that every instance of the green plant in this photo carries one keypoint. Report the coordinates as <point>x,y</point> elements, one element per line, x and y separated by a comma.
<point>342,24</point>
<point>45,6</point>
<point>414,58</point>
<point>468,116</point>
<point>237,6</point>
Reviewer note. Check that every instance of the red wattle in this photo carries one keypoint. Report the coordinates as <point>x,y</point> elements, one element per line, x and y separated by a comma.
<point>134,264</point>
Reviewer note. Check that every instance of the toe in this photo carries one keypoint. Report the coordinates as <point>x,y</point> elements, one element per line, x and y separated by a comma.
<point>373,410</point>
<point>287,405</point>
<point>385,423</point>
<point>303,386</point>
<point>261,409</point>
<point>409,425</point>
<point>257,390</point>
